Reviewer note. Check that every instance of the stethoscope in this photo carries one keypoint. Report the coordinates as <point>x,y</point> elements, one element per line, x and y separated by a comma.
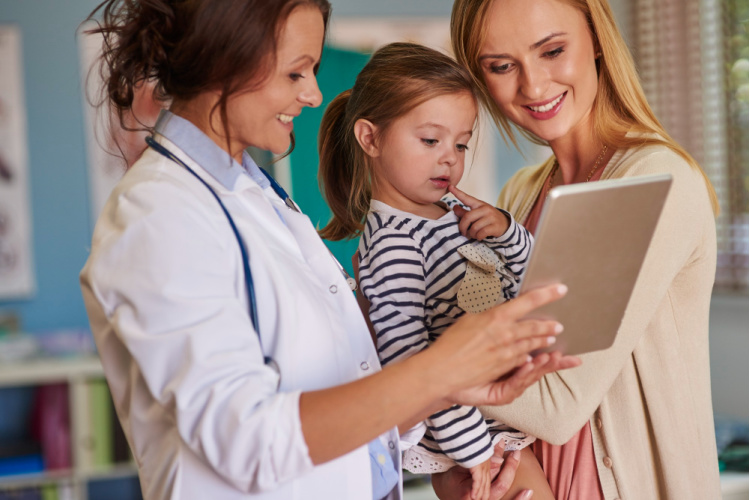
<point>252,304</point>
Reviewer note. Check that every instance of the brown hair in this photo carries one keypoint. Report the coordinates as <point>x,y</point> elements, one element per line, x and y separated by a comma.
<point>620,105</point>
<point>189,47</point>
<point>398,78</point>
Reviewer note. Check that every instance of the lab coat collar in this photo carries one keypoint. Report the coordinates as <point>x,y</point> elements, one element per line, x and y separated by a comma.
<point>206,153</point>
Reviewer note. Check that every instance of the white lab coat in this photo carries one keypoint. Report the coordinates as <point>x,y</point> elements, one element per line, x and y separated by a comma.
<point>166,297</point>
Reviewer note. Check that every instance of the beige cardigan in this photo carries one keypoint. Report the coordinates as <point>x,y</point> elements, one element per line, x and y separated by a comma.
<point>648,397</point>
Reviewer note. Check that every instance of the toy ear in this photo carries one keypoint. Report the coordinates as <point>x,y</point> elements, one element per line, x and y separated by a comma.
<point>366,133</point>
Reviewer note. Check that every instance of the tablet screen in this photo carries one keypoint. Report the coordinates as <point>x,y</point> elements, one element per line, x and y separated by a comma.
<point>593,237</point>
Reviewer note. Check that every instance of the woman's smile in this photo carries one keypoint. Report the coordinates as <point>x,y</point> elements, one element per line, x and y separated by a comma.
<point>546,109</point>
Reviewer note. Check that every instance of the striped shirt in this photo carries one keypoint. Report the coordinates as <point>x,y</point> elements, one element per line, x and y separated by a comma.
<point>410,271</point>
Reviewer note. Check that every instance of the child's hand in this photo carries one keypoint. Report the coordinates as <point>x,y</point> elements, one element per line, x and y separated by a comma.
<point>482,221</point>
<point>480,481</point>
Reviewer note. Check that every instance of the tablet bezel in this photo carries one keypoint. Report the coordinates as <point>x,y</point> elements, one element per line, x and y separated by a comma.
<point>581,233</point>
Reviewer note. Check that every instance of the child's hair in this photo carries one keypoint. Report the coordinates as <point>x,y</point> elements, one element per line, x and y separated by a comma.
<point>189,47</point>
<point>398,78</point>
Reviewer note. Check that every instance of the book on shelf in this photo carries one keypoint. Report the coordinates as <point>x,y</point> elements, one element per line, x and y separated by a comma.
<point>62,491</point>
<point>21,494</point>
<point>120,446</point>
<point>50,424</point>
<point>100,410</point>
<point>103,440</point>
<point>24,457</point>
<point>49,492</point>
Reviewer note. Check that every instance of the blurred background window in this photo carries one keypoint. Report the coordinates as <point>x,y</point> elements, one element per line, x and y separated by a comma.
<point>693,60</point>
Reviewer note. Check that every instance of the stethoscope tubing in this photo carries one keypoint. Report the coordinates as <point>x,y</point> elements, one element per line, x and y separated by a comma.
<point>249,285</point>
<point>252,303</point>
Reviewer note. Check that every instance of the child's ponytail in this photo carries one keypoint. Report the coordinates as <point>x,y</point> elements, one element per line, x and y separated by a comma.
<point>343,173</point>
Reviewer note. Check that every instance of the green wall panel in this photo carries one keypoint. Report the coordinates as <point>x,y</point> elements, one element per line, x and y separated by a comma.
<point>337,73</point>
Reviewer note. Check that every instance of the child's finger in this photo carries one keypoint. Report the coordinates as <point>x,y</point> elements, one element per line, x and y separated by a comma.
<point>467,219</point>
<point>497,458</point>
<point>487,484</point>
<point>464,198</point>
<point>475,487</point>
<point>460,211</point>
<point>482,223</point>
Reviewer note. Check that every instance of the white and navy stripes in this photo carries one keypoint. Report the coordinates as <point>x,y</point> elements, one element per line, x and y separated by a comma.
<point>410,272</point>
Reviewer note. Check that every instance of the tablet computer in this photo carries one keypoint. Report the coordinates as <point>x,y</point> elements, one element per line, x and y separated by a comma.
<point>593,238</point>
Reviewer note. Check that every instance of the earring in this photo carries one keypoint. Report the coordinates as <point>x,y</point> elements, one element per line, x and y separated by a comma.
<point>598,54</point>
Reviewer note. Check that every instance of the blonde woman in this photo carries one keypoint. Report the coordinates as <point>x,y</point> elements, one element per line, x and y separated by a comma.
<point>634,421</point>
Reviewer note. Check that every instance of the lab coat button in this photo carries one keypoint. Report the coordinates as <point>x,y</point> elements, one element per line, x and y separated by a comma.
<point>391,445</point>
<point>607,462</point>
<point>364,365</point>
<point>599,424</point>
<point>333,289</point>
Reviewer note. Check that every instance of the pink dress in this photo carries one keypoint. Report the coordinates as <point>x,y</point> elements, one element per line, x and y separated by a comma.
<point>570,468</point>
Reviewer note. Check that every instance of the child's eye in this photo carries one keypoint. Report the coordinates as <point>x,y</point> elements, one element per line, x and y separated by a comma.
<point>462,147</point>
<point>554,53</point>
<point>430,142</point>
<point>295,76</point>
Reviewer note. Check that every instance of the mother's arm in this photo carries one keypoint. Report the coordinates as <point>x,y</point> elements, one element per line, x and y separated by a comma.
<point>556,407</point>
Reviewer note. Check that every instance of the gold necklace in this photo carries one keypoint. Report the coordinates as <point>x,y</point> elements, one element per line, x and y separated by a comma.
<point>556,166</point>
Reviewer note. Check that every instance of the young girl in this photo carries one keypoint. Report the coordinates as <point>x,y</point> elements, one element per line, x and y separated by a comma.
<point>391,148</point>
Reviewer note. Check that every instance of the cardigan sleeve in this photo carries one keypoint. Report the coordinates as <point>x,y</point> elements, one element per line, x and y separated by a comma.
<point>556,407</point>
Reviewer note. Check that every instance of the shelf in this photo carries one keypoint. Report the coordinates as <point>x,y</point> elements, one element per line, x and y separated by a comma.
<point>49,370</point>
<point>36,479</point>
<point>115,471</point>
<point>82,374</point>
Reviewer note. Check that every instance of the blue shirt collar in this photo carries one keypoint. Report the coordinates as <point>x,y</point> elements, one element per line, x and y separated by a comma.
<point>206,153</point>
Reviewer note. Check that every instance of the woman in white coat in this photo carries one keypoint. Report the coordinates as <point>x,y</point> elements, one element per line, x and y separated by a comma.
<point>238,360</point>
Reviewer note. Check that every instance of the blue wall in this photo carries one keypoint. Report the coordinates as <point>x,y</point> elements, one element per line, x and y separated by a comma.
<point>57,158</point>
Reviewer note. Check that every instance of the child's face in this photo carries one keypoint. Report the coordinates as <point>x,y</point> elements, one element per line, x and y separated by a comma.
<point>423,152</point>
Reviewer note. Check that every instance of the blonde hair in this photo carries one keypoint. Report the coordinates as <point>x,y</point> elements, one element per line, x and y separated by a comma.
<point>398,78</point>
<point>620,105</point>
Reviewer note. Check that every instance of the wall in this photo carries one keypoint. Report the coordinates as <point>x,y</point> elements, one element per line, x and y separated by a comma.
<point>57,160</point>
<point>728,334</point>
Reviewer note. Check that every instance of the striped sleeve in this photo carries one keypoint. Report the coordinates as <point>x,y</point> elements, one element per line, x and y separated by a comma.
<point>391,277</point>
<point>460,433</point>
<point>515,248</point>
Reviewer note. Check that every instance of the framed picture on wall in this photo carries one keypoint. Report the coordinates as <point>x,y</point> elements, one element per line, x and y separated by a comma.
<point>16,259</point>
